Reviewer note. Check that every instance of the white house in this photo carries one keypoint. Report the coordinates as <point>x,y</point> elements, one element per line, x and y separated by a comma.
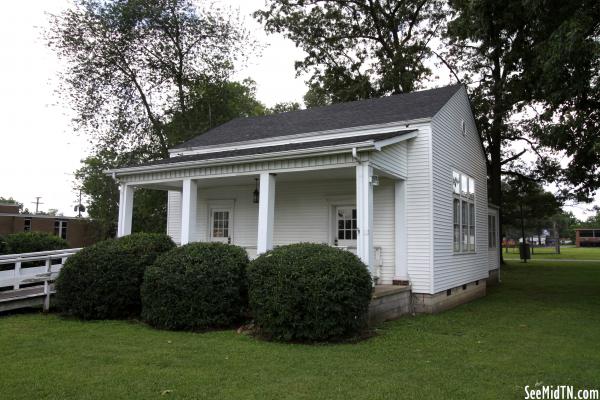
<point>400,181</point>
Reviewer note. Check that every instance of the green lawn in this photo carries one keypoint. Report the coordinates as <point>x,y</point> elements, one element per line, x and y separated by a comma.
<point>541,326</point>
<point>548,253</point>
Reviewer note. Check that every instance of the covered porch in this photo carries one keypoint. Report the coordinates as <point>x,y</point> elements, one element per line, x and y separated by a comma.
<point>355,206</point>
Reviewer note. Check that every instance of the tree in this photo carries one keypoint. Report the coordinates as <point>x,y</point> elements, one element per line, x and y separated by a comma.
<point>284,107</point>
<point>135,75</point>
<point>10,200</point>
<point>357,49</point>
<point>502,49</point>
<point>131,65</point>
<point>528,208</point>
<point>565,76</point>
<point>212,104</point>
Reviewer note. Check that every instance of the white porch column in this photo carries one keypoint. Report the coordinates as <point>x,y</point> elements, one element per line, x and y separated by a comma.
<point>266,213</point>
<point>189,202</point>
<point>364,214</point>
<point>125,210</point>
<point>401,258</point>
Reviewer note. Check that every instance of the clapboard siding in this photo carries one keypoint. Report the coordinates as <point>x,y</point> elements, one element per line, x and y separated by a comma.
<point>451,150</point>
<point>391,159</point>
<point>303,213</point>
<point>418,211</point>
<point>493,254</point>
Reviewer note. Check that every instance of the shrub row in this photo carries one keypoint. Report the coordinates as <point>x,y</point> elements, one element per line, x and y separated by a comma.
<point>103,280</point>
<point>29,242</point>
<point>301,292</point>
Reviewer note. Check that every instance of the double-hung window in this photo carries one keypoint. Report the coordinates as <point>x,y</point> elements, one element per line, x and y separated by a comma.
<point>463,208</point>
<point>60,228</point>
<point>491,231</point>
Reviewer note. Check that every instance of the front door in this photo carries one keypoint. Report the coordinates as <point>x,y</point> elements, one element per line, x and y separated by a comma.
<point>221,225</point>
<point>345,224</point>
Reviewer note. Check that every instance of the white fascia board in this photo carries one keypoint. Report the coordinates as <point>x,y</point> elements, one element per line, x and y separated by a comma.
<point>345,148</point>
<point>302,138</point>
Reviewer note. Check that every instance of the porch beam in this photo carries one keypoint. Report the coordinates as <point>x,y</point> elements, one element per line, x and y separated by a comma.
<point>189,202</point>
<point>364,214</point>
<point>125,210</point>
<point>400,239</point>
<point>266,213</point>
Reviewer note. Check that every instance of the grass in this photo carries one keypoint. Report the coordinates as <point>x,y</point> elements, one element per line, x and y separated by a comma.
<point>542,325</point>
<point>566,252</point>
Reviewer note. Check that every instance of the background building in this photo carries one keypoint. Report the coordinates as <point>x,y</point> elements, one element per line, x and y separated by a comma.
<point>79,232</point>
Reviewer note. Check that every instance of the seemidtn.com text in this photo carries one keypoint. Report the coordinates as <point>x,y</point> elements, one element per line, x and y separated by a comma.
<point>560,392</point>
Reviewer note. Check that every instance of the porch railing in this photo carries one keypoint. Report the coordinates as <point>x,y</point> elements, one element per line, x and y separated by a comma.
<point>30,275</point>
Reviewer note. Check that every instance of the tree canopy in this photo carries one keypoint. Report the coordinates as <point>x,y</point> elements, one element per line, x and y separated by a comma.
<point>531,67</point>
<point>357,49</point>
<point>142,76</point>
<point>132,65</point>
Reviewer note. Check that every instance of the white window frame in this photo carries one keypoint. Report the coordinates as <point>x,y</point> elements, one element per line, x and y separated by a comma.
<point>467,209</point>
<point>492,227</point>
<point>349,243</point>
<point>63,228</point>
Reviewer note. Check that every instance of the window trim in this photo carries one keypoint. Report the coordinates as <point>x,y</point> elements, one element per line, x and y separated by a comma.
<point>63,228</point>
<point>466,199</point>
<point>492,231</point>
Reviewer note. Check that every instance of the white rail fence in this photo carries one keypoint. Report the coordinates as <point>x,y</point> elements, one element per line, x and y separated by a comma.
<point>36,271</point>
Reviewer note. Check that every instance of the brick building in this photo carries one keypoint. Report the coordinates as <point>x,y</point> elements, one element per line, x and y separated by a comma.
<point>79,232</point>
<point>587,237</point>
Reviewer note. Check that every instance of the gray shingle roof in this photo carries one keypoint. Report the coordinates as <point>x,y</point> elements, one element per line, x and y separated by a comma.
<point>402,107</point>
<point>363,139</point>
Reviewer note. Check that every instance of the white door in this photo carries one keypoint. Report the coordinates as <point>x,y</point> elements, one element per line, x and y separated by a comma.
<point>345,227</point>
<point>221,225</point>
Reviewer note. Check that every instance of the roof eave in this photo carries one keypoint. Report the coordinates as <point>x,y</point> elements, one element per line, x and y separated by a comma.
<point>346,148</point>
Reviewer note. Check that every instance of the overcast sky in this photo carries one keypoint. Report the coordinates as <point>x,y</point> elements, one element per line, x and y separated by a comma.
<point>38,149</point>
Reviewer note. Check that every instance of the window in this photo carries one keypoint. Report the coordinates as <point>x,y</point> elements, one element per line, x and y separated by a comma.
<point>220,224</point>
<point>346,223</point>
<point>456,225</point>
<point>586,233</point>
<point>27,225</point>
<point>60,228</point>
<point>492,231</point>
<point>463,208</point>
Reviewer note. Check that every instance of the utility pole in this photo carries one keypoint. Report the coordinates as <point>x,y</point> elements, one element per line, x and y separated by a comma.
<point>37,203</point>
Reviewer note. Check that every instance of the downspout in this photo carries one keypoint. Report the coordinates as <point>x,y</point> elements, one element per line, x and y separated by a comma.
<point>355,155</point>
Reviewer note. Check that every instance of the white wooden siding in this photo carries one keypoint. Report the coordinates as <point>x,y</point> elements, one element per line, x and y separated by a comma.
<point>451,150</point>
<point>302,214</point>
<point>392,159</point>
<point>493,254</point>
<point>418,211</point>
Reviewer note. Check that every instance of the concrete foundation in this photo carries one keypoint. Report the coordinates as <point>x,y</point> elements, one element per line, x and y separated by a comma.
<point>390,302</point>
<point>434,303</point>
<point>494,277</point>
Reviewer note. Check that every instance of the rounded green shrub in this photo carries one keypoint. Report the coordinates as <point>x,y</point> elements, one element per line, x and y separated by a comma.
<point>29,242</point>
<point>309,292</point>
<point>198,286</point>
<point>3,246</point>
<point>103,281</point>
